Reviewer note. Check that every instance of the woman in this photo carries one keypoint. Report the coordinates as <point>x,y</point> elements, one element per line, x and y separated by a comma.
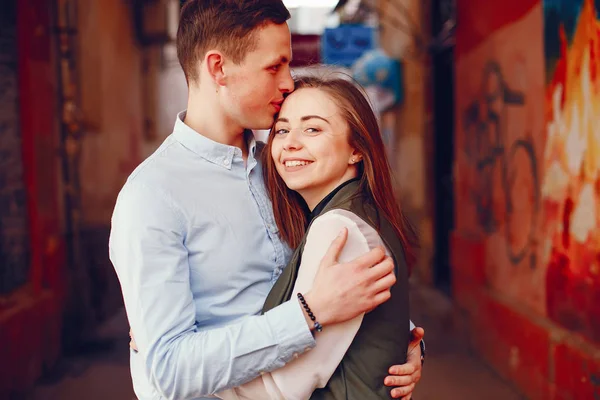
<point>326,170</point>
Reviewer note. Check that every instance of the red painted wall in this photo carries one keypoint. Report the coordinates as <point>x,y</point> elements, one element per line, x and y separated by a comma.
<point>510,219</point>
<point>30,317</point>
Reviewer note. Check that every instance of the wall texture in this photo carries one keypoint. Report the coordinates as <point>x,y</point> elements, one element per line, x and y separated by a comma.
<point>524,255</point>
<point>411,139</point>
<point>111,76</point>
<point>30,310</point>
<point>14,229</point>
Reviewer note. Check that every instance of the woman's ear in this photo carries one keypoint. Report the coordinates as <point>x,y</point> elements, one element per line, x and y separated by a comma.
<point>355,157</point>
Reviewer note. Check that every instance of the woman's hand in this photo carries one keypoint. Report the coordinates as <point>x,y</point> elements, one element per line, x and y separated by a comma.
<point>405,377</point>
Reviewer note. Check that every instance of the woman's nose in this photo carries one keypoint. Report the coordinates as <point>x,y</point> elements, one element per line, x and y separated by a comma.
<point>291,141</point>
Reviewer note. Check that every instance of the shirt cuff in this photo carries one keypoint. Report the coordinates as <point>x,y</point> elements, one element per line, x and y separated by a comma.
<point>290,329</point>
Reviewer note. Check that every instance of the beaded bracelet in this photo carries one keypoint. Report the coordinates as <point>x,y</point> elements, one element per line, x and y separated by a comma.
<point>318,326</point>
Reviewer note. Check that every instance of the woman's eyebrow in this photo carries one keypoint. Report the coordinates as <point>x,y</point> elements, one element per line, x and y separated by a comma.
<point>307,117</point>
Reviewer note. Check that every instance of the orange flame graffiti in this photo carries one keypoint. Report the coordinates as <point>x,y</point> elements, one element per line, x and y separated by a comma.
<point>571,185</point>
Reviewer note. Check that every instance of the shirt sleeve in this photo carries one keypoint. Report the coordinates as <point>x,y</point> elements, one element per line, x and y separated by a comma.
<point>182,361</point>
<point>313,369</point>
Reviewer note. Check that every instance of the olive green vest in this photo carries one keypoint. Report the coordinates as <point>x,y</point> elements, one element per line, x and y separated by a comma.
<point>383,337</point>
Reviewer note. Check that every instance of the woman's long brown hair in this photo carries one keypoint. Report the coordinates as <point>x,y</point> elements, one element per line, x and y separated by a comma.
<point>374,171</point>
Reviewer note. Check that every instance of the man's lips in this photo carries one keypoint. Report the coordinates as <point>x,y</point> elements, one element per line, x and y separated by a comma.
<point>277,104</point>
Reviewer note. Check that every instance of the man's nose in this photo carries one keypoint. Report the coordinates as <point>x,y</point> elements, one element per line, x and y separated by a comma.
<point>287,82</point>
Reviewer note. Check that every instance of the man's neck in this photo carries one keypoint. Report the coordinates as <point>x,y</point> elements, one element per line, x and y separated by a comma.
<point>205,117</point>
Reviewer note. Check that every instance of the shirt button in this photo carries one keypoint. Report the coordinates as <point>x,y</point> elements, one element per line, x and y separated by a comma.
<point>227,162</point>
<point>295,355</point>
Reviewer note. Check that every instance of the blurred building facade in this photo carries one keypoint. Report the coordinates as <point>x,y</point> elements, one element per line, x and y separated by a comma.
<point>80,89</point>
<point>494,148</point>
<point>32,254</point>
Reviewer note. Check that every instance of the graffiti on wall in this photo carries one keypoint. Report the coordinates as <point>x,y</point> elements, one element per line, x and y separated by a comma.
<point>499,107</point>
<point>571,185</point>
<point>484,126</point>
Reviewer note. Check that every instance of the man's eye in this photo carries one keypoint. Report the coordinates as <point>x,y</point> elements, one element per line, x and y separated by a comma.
<point>312,130</point>
<point>275,67</point>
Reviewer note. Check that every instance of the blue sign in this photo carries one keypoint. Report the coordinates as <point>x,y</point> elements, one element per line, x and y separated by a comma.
<point>347,43</point>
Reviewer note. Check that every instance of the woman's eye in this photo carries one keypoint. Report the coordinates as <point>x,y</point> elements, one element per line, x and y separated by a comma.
<point>281,131</point>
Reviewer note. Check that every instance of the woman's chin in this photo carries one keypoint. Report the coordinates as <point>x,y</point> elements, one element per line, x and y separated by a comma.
<point>295,185</point>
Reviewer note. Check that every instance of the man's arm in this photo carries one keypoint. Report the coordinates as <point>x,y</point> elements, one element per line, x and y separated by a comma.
<point>148,252</point>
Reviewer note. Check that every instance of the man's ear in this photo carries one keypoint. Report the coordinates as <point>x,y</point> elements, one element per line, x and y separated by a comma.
<point>214,63</point>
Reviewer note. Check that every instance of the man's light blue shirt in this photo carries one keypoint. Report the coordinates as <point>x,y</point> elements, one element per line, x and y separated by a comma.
<point>197,250</point>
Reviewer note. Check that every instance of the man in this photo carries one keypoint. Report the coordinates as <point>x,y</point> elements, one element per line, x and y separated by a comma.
<point>193,239</point>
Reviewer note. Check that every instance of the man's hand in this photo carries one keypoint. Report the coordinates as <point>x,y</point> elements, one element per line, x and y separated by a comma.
<point>405,377</point>
<point>132,343</point>
<point>342,291</point>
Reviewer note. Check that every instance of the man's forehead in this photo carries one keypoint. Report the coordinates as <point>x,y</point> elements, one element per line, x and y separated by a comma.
<point>274,43</point>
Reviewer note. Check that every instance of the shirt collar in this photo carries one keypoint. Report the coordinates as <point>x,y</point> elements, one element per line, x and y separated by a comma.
<point>217,153</point>
<point>323,203</point>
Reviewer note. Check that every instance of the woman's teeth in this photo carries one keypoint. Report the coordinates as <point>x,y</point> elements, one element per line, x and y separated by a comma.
<point>296,163</point>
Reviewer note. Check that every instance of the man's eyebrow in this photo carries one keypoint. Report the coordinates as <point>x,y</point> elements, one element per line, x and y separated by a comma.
<point>281,60</point>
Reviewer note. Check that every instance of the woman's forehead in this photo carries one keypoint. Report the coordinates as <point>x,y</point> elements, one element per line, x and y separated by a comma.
<point>313,101</point>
